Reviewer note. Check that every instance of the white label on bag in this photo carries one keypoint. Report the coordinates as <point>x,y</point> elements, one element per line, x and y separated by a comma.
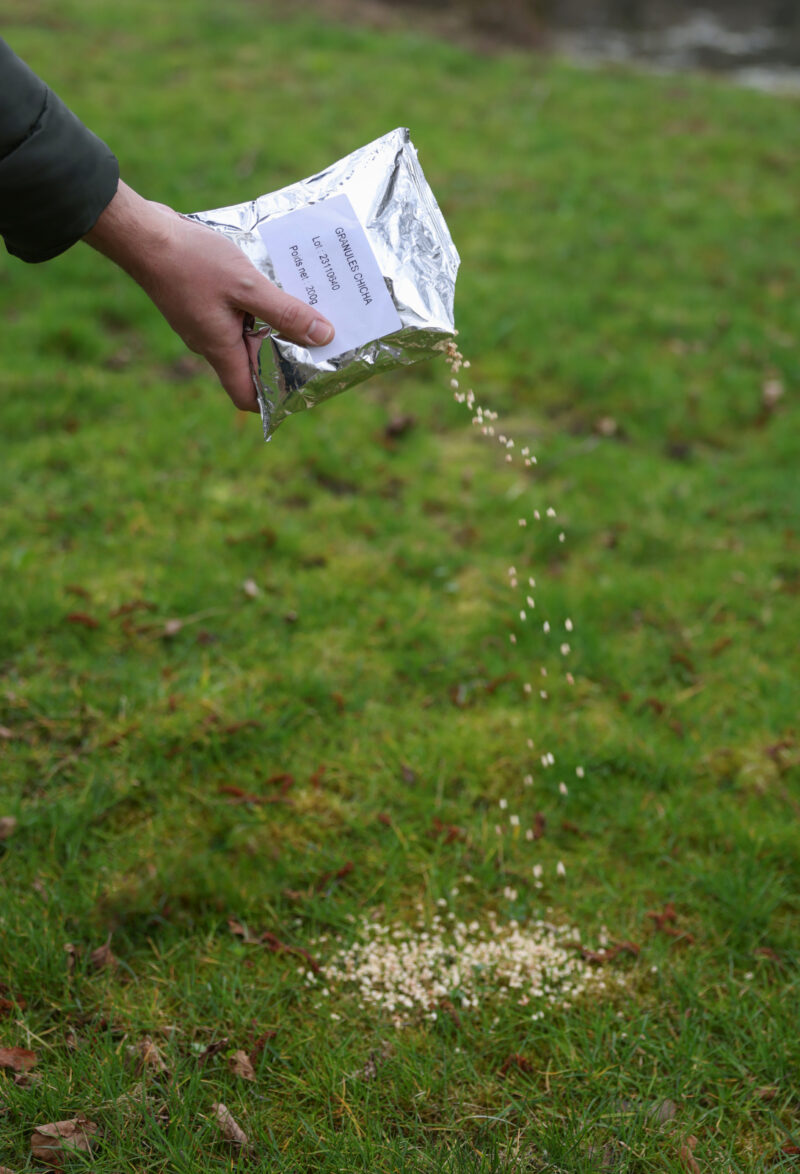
<point>321,255</point>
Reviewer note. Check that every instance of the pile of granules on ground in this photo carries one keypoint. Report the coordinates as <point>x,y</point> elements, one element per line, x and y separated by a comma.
<point>413,973</point>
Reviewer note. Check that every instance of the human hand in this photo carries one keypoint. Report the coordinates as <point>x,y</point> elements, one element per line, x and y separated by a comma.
<point>203,285</point>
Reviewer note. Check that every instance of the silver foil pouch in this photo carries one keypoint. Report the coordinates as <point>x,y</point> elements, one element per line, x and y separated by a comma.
<point>365,242</point>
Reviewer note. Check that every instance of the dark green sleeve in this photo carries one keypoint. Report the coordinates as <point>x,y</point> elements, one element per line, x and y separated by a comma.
<point>56,177</point>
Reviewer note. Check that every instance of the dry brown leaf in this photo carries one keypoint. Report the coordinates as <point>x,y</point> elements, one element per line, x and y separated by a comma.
<point>5,1170</point>
<point>102,958</point>
<point>515,1061</point>
<point>8,825</point>
<point>240,931</point>
<point>239,1064</point>
<point>662,1111</point>
<point>212,1049</point>
<point>72,951</point>
<point>147,1055</point>
<point>225,1121</point>
<point>10,1005</point>
<point>17,1059</point>
<point>53,1143</point>
<point>82,618</point>
<point>686,1155</point>
<point>27,1079</point>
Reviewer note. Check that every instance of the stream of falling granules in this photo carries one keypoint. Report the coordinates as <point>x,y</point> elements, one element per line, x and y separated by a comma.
<point>412,972</point>
<point>486,420</point>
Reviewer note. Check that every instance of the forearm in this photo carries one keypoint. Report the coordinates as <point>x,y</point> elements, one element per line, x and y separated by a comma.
<point>132,231</point>
<point>56,177</point>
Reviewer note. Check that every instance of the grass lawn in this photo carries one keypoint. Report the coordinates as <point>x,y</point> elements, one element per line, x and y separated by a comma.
<point>231,786</point>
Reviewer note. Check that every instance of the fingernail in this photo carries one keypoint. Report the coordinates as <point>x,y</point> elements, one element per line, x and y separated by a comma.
<point>320,332</point>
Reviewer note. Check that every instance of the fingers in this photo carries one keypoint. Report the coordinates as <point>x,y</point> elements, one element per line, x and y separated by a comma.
<point>292,318</point>
<point>233,371</point>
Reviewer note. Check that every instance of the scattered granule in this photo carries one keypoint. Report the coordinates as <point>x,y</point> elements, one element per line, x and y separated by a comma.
<point>412,973</point>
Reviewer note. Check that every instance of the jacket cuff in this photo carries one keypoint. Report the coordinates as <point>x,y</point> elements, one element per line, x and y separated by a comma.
<point>54,184</point>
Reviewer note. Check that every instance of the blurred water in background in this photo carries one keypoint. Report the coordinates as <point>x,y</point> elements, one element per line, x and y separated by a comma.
<point>757,43</point>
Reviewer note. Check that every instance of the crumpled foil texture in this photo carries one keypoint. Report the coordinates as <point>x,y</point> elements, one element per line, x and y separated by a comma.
<point>416,257</point>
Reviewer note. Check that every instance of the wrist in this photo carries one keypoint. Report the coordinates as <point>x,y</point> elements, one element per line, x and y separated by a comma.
<point>130,230</point>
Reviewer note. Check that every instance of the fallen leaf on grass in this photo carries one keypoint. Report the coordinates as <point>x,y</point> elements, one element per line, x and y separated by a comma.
<point>72,951</point>
<point>17,1059</point>
<point>283,778</point>
<point>603,1157</point>
<point>539,825</point>
<point>126,609</point>
<point>686,1155</point>
<point>450,831</point>
<point>375,1060</point>
<point>515,1061</point>
<point>239,1064</point>
<point>602,956</point>
<point>667,914</point>
<point>8,825</point>
<point>226,1123</point>
<point>102,958</point>
<point>238,795</point>
<point>277,946</point>
<point>241,931</point>
<point>664,923</point>
<point>249,723</point>
<point>146,1055</point>
<point>53,1143</point>
<point>662,1111</point>
<point>317,776</point>
<point>212,1049</point>
<point>5,1170</point>
<point>339,874</point>
<point>258,1044</point>
<point>789,1148</point>
<point>9,1006</point>
<point>768,1093</point>
<point>6,735</point>
<point>82,618</point>
<point>271,942</point>
<point>27,1079</point>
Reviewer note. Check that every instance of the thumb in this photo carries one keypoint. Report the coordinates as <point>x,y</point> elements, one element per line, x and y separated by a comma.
<point>292,318</point>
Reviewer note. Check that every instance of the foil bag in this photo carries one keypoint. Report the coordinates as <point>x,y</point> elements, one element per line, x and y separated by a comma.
<point>366,242</point>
